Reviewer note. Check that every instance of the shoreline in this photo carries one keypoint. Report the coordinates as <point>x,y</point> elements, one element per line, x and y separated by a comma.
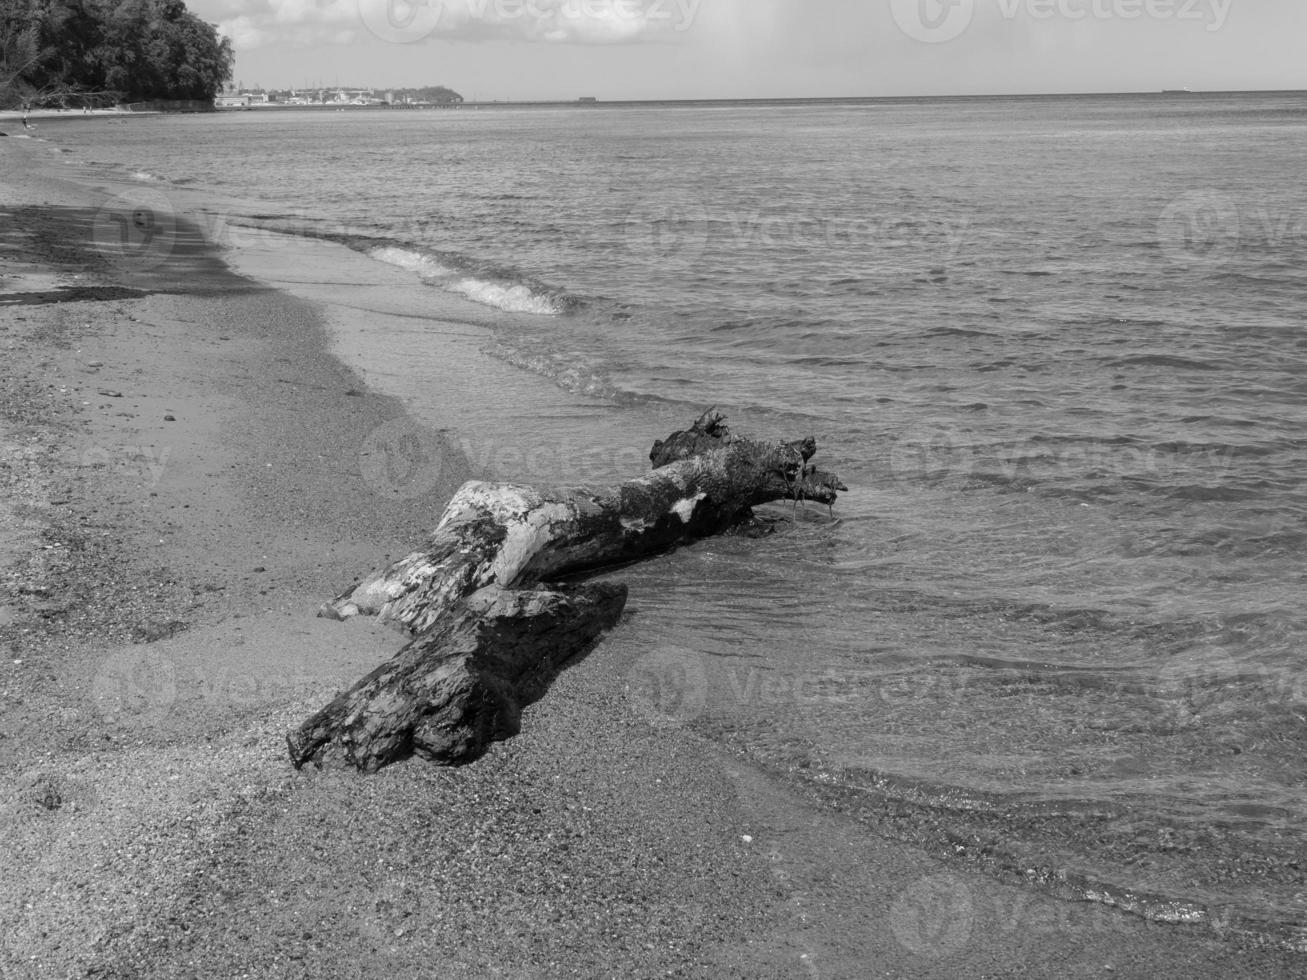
<point>163,613</point>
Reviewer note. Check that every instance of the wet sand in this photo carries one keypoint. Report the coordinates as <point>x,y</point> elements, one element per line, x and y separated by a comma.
<point>185,479</point>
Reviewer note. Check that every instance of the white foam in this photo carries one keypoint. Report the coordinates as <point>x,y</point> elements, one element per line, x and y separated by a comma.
<point>424,265</point>
<point>512,299</point>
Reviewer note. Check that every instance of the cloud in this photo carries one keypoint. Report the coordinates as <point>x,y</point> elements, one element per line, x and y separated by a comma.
<point>256,23</point>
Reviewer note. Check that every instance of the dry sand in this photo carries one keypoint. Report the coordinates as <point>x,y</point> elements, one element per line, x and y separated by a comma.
<point>180,487</point>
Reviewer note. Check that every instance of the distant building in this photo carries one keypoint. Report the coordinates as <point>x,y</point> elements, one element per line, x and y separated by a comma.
<point>587,99</point>
<point>232,101</point>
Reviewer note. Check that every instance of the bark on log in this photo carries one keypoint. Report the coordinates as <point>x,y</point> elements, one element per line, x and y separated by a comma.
<point>461,685</point>
<point>710,432</point>
<point>488,642</point>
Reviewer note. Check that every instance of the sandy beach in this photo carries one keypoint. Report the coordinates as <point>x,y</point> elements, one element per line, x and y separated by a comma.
<point>182,484</point>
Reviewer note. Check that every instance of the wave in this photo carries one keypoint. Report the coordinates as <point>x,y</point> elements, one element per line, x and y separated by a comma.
<point>565,369</point>
<point>499,289</point>
<point>507,295</point>
<point>424,265</point>
<point>1037,839</point>
<point>516,298</point>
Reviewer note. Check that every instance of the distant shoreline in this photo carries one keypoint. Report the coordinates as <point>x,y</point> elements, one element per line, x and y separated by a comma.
<point>1164,95</point>
<point>778,101</point>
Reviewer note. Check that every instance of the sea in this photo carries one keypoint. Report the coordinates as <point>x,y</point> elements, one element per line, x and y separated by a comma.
<point>1055,346</point>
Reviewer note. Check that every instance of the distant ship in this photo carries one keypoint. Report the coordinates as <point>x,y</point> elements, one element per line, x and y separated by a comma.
<point>1176,91</point>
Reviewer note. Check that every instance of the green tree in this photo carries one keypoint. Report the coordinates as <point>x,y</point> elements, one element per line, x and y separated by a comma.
<point>108,50</point>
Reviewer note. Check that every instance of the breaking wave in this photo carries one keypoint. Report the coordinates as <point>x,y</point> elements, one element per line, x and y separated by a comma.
<point>501,294</point>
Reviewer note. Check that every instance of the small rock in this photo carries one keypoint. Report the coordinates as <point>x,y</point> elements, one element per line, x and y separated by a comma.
<point>170,418</point>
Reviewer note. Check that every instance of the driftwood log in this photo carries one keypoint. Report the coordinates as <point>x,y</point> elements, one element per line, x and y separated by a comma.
<point>463,683</point>
<point>487,640</point>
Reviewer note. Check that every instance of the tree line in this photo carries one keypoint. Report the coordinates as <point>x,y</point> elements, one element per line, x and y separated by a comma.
<point>101,52</point>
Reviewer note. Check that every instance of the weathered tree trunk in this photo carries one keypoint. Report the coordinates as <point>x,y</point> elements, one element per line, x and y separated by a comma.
<point>510,535</point>
<point>462,684</point>
<point>488,643</point>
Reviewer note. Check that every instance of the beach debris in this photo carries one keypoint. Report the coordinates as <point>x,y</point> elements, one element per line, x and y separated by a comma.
<point>462,684</point>
<point>491,631</point>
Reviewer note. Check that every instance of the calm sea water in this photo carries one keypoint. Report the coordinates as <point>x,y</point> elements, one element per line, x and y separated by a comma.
<point>1055,346</point>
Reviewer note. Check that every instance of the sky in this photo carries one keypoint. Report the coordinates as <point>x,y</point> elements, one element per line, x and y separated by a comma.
<point>678,49</point>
